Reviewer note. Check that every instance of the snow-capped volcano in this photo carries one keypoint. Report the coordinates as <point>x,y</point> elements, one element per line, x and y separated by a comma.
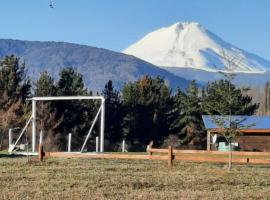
<point>191,45</point>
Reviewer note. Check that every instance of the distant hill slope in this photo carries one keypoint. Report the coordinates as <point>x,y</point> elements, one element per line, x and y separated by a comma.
<point>97,65</point>
<point>256,80</point>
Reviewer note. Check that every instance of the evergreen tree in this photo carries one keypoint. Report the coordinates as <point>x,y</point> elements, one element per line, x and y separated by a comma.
<point>47,119</point>
<point>71,83</point>
<point>45,86</point>
<point>130,109</point>
<point>188,124</point>
<point>113,116</point>
<point>77,115</point>
<point>219,95</point>
<point>147,104</point>
<point>14,89</point>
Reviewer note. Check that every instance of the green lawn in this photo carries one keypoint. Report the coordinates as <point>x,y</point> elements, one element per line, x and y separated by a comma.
<point>124,179</point>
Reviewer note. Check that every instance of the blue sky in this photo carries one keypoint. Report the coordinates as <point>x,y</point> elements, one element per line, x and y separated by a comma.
<point>116,24</point>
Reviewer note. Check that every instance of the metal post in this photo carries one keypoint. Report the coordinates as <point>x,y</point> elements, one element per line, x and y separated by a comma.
<point>123,146</point>
<point>102,124</point>
<point>69,142</point>
<point>97,144</point>
<point>33,125</point>
<point>9,138</point>
<point>41,137</point>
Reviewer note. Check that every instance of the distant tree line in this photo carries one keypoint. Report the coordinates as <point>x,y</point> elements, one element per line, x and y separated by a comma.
<point>142,111</point>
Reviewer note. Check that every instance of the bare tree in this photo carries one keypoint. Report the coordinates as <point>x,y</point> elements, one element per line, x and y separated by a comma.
<point>229,126</point>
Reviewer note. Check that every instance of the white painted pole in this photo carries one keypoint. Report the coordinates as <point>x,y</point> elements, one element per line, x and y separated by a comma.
<point>41,137</point>
<point>33,125</point>
<point>97,144</point>
<point>123,146</point>
<point>69,142</point>
<point>21,134</point>
<point>91,128</point>
<point>102,125</point>
<point>9,139</point>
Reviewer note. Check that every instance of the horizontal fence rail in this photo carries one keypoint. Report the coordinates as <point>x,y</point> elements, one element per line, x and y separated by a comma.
<point>170,155</point>
<point>95,155</point>
<point>240,153</point>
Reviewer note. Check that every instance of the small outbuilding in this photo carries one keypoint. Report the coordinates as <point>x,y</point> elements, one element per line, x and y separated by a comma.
<point>255,133</point>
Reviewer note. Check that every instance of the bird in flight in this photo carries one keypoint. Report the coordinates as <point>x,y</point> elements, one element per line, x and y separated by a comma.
<point>51,4</point>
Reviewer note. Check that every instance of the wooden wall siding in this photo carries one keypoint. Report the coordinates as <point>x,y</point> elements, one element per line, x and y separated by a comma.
<point>254,142</point>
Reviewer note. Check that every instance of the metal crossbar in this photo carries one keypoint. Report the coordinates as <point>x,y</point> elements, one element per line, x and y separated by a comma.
<point>65,98</point>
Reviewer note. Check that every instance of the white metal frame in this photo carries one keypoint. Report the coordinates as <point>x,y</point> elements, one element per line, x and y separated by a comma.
<point>101,112</point>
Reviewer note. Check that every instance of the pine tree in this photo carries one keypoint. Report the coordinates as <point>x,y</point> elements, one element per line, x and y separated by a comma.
<point>147,104</point>
<point>14,89</point>
<point>45,85</point>
<point>113,116</point>
<point>77,115</point>
<point>47,119</point>
<point>71,83</point>
<point>188,125</point>
<point>219,95</point>
<point>130,101</point>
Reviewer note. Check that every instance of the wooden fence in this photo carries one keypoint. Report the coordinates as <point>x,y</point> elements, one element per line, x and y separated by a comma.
<point>211,156</point>
<point>170,155</point>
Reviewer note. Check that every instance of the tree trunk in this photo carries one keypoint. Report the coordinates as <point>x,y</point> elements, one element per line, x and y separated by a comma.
<point>230,156</point>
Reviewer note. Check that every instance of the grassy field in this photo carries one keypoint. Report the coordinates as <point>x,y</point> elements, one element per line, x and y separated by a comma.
<point>124,179</point>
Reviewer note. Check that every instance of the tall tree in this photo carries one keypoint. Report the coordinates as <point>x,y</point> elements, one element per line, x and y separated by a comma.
<point>14,89</point>
<point>188,124</point>
<point>147,105</point>
<point>219,95</point>
<point>47,119</point>
<point>230,102</point>
<point>71,83</point>
<point>45,85</point>
<point>113,116</point>
<point>76,115</point>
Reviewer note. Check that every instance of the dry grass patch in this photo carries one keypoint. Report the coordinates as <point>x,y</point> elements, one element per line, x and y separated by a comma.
<point>124,179</point>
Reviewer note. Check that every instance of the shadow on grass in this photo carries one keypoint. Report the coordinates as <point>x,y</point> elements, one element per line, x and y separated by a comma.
<point>6,155</point>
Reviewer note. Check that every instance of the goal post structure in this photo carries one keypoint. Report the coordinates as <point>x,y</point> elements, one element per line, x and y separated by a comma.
<point>101,112</point>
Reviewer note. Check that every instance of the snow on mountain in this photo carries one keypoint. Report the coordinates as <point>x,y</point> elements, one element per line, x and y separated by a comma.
<point>190,45</point>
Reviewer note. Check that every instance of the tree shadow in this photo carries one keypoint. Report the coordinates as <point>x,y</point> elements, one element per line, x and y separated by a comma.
<point>10,156</point>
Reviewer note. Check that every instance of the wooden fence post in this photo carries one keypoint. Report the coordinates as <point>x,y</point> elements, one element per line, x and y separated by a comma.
<point>208,141</point>
<point>40,152</point>
<point>170,156</point>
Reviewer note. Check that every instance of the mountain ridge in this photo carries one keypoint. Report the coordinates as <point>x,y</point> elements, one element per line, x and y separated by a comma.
<point>98,65</point>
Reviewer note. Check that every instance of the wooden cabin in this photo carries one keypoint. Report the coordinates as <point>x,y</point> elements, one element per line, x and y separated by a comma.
<point>255,133</point>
